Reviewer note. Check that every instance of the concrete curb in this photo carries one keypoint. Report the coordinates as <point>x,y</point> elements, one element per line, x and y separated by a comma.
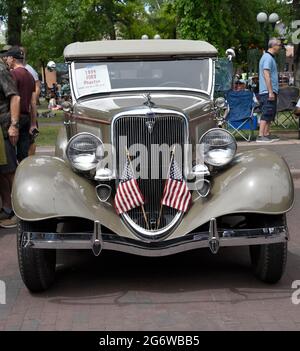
<point>255,144</point>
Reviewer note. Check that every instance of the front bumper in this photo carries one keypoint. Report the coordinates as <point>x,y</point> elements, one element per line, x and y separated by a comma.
<point>213,239</point>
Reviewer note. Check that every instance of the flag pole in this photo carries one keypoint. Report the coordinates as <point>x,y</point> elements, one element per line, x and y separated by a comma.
<point>143,209</point>
<point>161,205</point>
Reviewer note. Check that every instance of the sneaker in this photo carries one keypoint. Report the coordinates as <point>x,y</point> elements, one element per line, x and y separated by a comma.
<point>273,137</point>
<point>4,215</point>
<point>9,223</point>
<point>264,139</point>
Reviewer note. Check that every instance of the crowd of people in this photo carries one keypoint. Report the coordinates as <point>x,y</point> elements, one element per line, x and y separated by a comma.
<point>19,92</point>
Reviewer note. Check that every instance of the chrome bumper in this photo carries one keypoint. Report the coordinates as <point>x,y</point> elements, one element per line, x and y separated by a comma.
<point>97,241</point>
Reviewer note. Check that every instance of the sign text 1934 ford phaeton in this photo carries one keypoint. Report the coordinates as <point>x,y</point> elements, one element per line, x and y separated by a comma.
<point>141,168</point>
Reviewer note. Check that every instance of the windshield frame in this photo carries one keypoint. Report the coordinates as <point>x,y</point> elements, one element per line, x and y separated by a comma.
<point>208,92</point>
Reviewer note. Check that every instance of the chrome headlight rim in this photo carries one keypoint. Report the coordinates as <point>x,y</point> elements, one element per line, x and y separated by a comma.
<point>233,142</point>
<point>77,166</point>
<point>220,102</point>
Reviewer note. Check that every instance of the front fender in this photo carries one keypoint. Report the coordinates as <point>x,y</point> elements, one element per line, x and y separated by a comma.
<point>46,187</point>
<point>257,181</point>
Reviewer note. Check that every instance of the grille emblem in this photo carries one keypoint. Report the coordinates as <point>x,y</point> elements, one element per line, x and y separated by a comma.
<point>150,126</point>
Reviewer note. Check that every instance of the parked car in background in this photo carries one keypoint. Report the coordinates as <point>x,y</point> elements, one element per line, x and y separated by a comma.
<point>140,166</point>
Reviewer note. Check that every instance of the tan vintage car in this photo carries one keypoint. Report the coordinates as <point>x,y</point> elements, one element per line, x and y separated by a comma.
<point>141,168</point>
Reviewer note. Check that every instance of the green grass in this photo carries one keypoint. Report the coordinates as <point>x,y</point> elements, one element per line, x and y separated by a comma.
<point>43,107</point>
<point>57,119</point>
<point>47,135</point>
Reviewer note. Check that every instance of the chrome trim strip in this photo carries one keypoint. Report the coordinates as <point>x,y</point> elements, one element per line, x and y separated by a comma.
<point>211,78</point>
<point>114,242</point>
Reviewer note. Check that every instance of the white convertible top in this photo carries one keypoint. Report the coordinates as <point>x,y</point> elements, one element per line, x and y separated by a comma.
<point>138,48</point>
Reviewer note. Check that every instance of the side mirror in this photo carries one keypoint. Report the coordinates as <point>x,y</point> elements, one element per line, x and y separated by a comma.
<point>230,53</point>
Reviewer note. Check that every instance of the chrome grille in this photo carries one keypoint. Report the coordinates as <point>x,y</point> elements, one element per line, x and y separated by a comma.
<point>168,129</point>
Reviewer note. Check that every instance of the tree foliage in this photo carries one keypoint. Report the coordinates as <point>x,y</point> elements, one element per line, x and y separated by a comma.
<point>50,25</point>
<point>226,23</point>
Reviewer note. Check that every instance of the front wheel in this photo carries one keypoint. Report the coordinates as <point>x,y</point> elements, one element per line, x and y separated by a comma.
<point>37,266</point>
<point>269,261</point>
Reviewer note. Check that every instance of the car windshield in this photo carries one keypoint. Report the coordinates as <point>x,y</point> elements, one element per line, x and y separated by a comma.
<point>93,78</point>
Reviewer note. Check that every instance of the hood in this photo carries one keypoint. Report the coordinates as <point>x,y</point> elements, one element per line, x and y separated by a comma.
<point>105,108</point>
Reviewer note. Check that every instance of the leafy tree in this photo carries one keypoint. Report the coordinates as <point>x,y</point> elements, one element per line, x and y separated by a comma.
<point>226,23</point>
<point>50,25</point>
<point>162,18</point>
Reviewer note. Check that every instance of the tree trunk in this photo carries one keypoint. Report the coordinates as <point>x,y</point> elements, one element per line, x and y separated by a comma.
<point>14,25</point>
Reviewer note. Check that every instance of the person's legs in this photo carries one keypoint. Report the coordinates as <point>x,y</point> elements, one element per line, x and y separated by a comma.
<point>268,112</point>
<point>7,173</point>
<point>267,128</point>
<point>8,218</point>
<point>24,139</point>
<point>6,182</point>
<point>262,127</point>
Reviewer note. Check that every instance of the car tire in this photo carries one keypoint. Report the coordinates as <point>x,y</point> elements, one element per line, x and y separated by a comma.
<point>269,261</point>
<point>37,266</point>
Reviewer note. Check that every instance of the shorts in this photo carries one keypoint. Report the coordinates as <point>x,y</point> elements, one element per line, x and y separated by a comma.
<point>268,107</point>
<point>11,157</point>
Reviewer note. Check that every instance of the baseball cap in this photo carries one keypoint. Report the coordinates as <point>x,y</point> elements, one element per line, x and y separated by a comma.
<point>14,52</point>
<point>240,81</point>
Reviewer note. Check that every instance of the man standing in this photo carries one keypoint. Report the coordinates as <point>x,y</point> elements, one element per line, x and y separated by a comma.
<point>26,88</point>
<point>9,122</point>
<point>268,90</point>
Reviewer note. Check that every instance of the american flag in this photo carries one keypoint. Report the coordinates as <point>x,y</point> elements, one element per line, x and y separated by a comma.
<point>176,193</point>
<point>128,194</point>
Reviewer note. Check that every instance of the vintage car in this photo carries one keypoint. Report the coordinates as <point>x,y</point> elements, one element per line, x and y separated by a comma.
<point>140,166</point>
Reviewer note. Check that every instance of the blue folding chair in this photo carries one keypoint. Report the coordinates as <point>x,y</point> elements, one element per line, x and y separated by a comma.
<point>240,117</point>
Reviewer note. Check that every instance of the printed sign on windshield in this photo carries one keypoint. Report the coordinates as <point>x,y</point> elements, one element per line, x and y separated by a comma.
<point>92,79</point>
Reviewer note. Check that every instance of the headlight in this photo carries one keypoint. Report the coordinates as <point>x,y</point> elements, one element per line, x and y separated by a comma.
<point>84,151</point>
<point>219,147</point>
<point>220,102</point>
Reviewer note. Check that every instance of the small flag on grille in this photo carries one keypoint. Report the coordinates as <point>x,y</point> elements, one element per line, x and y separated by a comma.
<point>128,195</point>
<point>176,193</point>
